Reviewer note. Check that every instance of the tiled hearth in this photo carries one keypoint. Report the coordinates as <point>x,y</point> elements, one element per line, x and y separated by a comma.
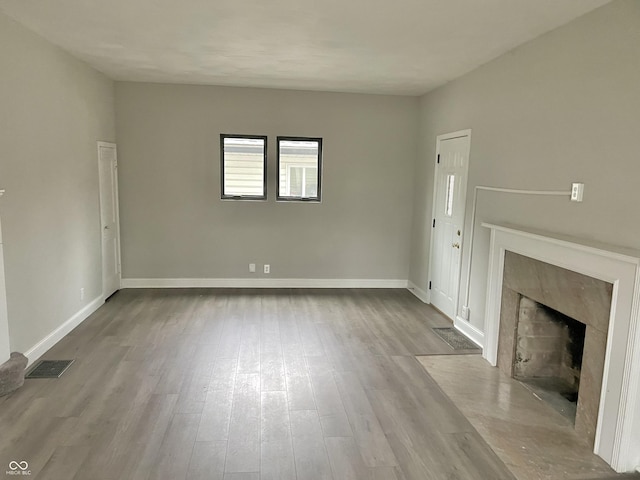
<point>596,285</point>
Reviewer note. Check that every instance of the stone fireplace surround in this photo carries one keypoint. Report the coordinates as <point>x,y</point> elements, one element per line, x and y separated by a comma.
<point>617,430</point>
<point>583,298</point>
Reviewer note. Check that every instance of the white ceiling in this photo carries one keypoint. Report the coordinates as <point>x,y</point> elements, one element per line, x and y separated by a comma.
<point>371,46</point>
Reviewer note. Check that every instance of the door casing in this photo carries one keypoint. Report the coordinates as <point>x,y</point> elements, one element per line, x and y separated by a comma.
<point>5,349</point>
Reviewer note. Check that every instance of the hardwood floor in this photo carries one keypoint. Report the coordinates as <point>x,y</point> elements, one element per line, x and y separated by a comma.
<point>246,384</point>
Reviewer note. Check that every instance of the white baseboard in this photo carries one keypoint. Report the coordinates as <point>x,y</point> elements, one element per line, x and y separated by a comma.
<point>472,333</point>
<point>40,348</point>
<point>261,283</point>
<point>418,292</point>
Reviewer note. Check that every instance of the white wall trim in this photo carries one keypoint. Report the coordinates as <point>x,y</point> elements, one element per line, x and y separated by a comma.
<point>40,348</point>
<point>618,429</point>
<point>5,347</point>
<point>418,292</point>
<point>628,447</point>
<point>261,283</point>
<point>472,333</point>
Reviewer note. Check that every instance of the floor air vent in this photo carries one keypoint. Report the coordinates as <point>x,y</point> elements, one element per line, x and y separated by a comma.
<point>49,369</point>
<point>455,339</point>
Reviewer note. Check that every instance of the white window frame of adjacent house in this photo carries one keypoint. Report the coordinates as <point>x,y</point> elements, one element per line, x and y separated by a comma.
<point>286,194</point>
<point>303,180</point>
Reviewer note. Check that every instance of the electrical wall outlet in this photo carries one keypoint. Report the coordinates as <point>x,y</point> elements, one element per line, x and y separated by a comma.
<point>465,313</point>
<point>252,268</point>
<point>82,294</point>
<point>577,192</point>
<point>267,268</point>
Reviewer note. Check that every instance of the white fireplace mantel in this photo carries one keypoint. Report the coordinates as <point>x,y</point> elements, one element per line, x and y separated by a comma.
<point>618,428</point>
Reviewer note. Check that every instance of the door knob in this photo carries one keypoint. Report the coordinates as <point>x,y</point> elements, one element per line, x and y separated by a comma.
<point>456,245</point>
<point>106,227</point>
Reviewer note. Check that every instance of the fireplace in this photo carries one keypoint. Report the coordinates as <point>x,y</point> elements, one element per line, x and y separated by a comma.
<point>553,334</point>
<point>594,285</point>
<point>549,347</point>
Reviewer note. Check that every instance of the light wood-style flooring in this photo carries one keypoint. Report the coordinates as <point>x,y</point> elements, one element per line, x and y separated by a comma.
<point>247,384</point>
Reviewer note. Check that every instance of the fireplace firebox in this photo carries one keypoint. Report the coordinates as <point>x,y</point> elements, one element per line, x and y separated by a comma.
<point>548,355</point>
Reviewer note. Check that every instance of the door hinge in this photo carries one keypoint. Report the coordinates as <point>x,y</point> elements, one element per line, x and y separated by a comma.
<point>434,223</point>
<point>429,285</point>
<point>438,158</point>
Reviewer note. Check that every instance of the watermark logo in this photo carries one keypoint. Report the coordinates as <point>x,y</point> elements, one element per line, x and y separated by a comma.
<point>18,468</point>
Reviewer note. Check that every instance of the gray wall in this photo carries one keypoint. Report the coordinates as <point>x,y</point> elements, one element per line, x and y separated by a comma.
<point>174,224</point>
<point>53,110</point>
<point>564,107</point>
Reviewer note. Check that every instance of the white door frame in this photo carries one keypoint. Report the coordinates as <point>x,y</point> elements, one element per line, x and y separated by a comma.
<point>5,347</point>
<point>117,202</point>
<point>439,140</point>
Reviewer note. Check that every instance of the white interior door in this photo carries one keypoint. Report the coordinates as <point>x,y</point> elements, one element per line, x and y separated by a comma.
<point>110,223</point>
<point>448,220</point>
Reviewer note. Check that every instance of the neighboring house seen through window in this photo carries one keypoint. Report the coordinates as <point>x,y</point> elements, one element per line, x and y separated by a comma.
<point>243,167</point>
<point>299,168</point>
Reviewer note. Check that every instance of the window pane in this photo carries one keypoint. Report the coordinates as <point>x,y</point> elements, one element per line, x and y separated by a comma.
<point>299,164</point>
<point>243,166</point>
<point>451,180</point>
<point>311,182</point>
<point>295,181</point>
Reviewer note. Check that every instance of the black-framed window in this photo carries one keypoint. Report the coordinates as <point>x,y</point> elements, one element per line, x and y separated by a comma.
<point>243,167</point>
<point>299,169</point>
